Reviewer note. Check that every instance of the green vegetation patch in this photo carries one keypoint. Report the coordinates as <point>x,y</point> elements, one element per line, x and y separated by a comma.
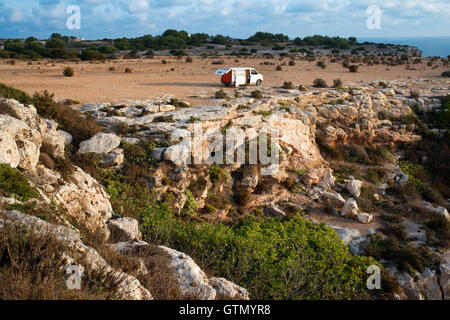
<point>14,184</point>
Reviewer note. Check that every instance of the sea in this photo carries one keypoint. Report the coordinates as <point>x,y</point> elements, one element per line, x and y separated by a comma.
<point>430,46</point>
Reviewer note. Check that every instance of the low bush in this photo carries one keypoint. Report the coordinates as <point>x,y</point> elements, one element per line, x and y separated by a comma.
<point>337,83</point>
<point>32,268</point>
<point>68,72</point>
<point>353,68</point>
<point>257,94</point>
<point>14,185</point>
<point>221,94</point>
<point>321,64</point>
<point>320,83</point>
<point>11,93</point>
<point>446,74</point>
<point>287,85</point>
<point>414,95</point>
<point>272,258</point>
<point>69,119</point>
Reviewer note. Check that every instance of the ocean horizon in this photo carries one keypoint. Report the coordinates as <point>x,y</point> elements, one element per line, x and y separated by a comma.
<point>430,46</point>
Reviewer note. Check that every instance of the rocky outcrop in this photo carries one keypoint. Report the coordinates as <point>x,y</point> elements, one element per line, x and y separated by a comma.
<point>128,288</point>
<point>22,134</point>
<point>193,281</point>
<point>124,229</point>
<point>444,279</point>
<point>102,143</point>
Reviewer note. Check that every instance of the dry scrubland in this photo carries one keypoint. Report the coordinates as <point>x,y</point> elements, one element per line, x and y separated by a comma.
<point>107,82</point>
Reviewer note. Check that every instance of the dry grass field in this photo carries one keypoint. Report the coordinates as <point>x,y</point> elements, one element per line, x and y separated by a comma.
<point>107,82</point>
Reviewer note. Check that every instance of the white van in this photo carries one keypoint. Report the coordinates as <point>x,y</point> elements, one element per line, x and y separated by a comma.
<point>240,76</point>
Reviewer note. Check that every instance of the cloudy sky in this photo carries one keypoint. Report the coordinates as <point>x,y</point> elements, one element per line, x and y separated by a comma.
<point>237,18</point>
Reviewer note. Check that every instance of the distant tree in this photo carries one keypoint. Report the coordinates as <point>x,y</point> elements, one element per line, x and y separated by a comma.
<point>220,39</point>
<point>352,40</point>
<point>56,36</point>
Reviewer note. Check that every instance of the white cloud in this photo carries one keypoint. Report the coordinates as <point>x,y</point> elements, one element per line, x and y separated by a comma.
<point>16,16</point>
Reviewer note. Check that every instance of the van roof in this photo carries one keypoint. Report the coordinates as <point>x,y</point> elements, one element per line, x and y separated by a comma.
<point>225,70</point>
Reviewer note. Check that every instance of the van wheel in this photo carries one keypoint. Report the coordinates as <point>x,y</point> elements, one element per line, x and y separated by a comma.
<point>258,83</point>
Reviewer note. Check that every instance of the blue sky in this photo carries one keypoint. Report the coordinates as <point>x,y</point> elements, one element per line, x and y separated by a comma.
<point>237,18</point>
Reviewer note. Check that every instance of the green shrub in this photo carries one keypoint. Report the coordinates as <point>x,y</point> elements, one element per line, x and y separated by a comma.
<point>69,119</point>
<point>353,68</point>
<point>68,72</point>
<point>11,93</point>
<point>320,83</point>
<point>13,184</point>
<point>287,85</point>
<point>272,258</point>
<point>321,64</point>
<point>190,206</point>
<point>446,74</point>
<point>376,175</point>
<point>414,95</point>
<point>162,119</point>
<point>257,94</point>
<point>215,173</point>
<point>337,83</point>
<point>221,94</point>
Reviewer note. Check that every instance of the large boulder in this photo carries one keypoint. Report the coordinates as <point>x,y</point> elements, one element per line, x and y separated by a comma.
<point>444,279</point>
<point>429,284</point>
<point>430,207</point>
<point>354,187</point>
<point>124,229</point>
<point>19,144</point>
<point>350,208</point>
<point>193,282</point>
<point>364,217</point>
<point>228,290</point>
<point>85,200</point>
<point>101,143</point>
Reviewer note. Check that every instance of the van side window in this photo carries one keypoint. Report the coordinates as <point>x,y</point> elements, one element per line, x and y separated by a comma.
<point>254,72</point>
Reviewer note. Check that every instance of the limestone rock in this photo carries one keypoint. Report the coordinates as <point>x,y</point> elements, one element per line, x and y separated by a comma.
<point>444,279</point>
<point>114,159</point>
<point>19,144</point>
<point>66,136</point>
<point>85,200</point>
<point>407,283</point>
<point>274,211</point>
<point>435,209</point>
<point>430,286</point>
<point>124,229</point>
<point>350,208</point>
<point>228,290</point>
<point>364,217</point>
<point>354,187</point>
<point>192,280</point>
<point>179,154</point>
<point>101,143</point>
